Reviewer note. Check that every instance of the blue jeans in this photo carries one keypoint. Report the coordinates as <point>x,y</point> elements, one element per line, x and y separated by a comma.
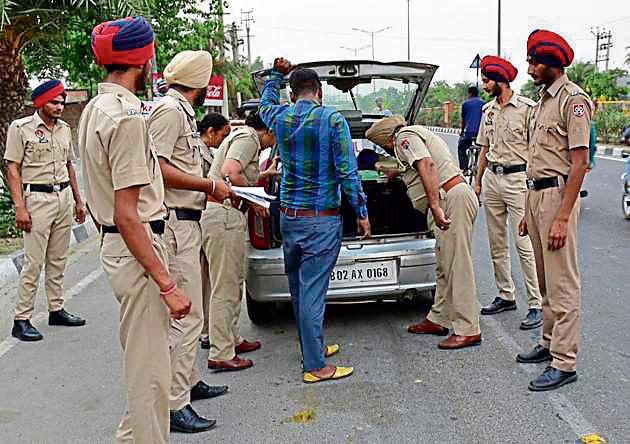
<point>311,247</point>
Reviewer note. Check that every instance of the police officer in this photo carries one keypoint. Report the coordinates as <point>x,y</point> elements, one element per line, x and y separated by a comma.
<point>559,134</point>
<point>434,181</point>
<point>125,195</point>
<point>225,244</point>
<point>173,127</point>
<point>43,185</point>
<point>213,129</point>
<point>501,174</point>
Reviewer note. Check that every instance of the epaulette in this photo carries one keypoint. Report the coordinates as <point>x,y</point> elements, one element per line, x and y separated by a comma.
<point>488,105</point>
<point>23,121</point>
<point>526,100</point>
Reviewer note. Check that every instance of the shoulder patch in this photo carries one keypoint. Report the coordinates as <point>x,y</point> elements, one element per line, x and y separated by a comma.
<point>404,144</point>
<point>578,109</point>
<point>526,100</point>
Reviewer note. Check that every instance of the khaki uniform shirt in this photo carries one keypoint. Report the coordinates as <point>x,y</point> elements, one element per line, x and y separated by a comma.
<point>553,131</point>
<point>207,157</point>
<point>44,154</point>
<point>414,143</point>
<point>173,127</point>
<point>117,153</point>
<point>504,130</point>
<point>243,146</point>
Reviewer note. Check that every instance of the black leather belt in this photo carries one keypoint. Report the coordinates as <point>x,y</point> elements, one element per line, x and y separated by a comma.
<point>40,188</point>
<point>187,214</point>
<point>543,184</point>
<point>157,226</point>
<point>497,168</point>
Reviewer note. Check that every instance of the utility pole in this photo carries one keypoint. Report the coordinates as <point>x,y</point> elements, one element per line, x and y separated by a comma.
<point>247,19</point>
<point>355,50</point>
<point>606,38</point>
<point>408,33</point>
<point>235,42</point>
<point>499,29</point>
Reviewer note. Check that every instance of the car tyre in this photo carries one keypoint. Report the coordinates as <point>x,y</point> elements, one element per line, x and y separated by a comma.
<point>260,312</point>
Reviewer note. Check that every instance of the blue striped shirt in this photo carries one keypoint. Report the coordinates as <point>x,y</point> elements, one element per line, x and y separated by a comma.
<point>315,147</point>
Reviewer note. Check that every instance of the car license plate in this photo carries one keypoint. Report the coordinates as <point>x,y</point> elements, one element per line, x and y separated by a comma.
<point>364,274</point>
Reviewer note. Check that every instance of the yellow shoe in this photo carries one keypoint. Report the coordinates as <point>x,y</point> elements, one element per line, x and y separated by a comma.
<point>340,372</point>
<point>331,350</point>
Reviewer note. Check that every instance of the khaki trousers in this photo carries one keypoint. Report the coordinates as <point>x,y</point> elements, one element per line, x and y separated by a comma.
<point>558,277</point>
<point>224,240</point>
<point>456,305</point>
<point>144,324</point>
<point>206,292</point>
<point>183,243</point>
<point>47,243</point>
<point>503,199</point>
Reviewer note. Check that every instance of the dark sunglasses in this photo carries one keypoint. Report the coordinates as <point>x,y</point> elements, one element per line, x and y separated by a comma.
<point>58,102</point>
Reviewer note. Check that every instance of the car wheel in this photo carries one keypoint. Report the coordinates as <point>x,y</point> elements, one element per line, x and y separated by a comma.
<point>260,312</point>
<point>625,205</point>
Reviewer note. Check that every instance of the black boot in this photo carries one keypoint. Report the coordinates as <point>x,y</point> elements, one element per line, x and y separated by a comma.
<point>187,420</point>
<point>24,331</point>
<point>551,379</point>
<point>534,319</point>
<point>62,317</point>
<point>497,306</point>
<point>538,354</point>
<point>201,390</point>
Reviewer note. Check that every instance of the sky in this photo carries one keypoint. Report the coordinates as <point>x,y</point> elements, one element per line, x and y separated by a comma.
<point>445,33</point>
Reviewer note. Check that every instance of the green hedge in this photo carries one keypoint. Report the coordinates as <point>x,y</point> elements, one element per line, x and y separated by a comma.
<point>7,216</point>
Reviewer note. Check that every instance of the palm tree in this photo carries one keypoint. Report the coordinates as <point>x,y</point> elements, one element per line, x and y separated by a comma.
<point>628,55</point>
<point>26,24</point>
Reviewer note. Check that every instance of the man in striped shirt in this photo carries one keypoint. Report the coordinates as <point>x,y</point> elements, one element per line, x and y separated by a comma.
<point>318,161</point>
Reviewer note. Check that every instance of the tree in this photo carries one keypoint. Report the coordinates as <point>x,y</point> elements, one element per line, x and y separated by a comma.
<point>530,90</point>
<point>29,24</point>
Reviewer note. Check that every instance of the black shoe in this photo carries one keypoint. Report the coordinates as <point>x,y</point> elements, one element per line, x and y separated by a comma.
<point>62,317</point>
<point>497,306</point>
<point>205,344</point>
<point>551,379</point>
<point>538,354</point>
<point>534,319</point>
<point>201,390</point>
<point>24,331</point>
<point>187,420</point>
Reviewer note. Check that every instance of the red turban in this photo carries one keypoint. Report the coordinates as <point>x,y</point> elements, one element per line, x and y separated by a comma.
<point>549,48</point>
<point>46,92</point>
<point>128,41</point>
<point>498,69</point>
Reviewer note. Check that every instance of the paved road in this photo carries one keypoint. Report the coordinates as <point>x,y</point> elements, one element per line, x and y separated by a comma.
<point>67,388</point>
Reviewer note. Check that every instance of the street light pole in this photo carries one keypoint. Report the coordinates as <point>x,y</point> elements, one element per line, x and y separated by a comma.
<point>499,29</point>
<point>408,34</point>
<point>355,50</point>
<point>372,34</point>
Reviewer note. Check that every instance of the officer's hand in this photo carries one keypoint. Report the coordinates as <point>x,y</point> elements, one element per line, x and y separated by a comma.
<point>178,304</point>
<point>221,190</point>
<point>558,234</point>
<point>363,227</point>
<point>260,211</point>
<point>282,65</point>
<point>442,222</point>
<point>80,213</point>
<point>522,228</point>
<point>23,219</point>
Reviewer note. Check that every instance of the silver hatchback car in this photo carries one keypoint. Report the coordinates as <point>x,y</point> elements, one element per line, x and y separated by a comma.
<point>398,261</point>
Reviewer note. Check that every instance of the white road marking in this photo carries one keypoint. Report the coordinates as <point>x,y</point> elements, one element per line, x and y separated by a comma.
<point>616,159</point>
<point>11,342</point>
<point>561,404</point>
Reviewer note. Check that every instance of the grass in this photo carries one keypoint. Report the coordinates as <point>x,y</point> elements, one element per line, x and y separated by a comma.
<point>10,245</point>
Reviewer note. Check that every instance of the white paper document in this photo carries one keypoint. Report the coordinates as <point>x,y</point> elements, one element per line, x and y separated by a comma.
<point>256,195</point>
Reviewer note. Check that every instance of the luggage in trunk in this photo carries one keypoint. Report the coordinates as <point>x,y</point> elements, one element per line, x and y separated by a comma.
<point>389,208</point>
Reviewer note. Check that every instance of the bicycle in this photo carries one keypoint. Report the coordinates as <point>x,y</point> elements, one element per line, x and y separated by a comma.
<point>470,173</point>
